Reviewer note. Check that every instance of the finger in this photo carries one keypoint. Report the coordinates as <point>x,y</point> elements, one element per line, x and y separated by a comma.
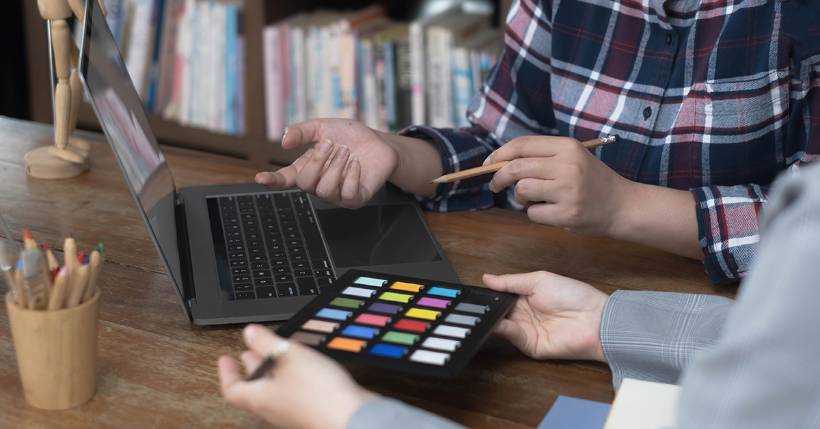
<point>232,384</point>
<point>312,171</point>
<point>548,214</point>
<point>351,191</point>
<point>302,133</point>
<point>521,284</point>
<point>528,191</point>
<point>330,184</point>
<point>263,341</point>
<point>285,177</point>
<point>250,360</point>
<point>530,147</point>
<point>517,169</point>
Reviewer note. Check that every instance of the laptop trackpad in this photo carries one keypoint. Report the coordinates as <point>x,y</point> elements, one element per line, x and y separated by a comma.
<point>377,235</point>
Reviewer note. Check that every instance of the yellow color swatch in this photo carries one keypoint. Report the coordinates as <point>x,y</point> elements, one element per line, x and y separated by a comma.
<point>346,344</point>
<point>421,313</point>
<point>396,297</point>
<point>409,287</point>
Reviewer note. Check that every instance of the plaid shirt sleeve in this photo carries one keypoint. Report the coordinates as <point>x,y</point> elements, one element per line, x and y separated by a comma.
<point>653,335</point>
<point>728,216</point>
<point>500,113</point>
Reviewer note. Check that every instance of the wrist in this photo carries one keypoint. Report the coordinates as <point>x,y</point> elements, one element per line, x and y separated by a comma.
<point>626,216</point>
<point>348,409</point>
<point>596,350</point>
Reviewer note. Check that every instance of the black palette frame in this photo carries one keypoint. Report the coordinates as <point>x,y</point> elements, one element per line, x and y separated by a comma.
<point>500,304</point>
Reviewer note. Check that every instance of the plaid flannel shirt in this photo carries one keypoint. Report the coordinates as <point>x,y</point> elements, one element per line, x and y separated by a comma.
<point>712,96</point>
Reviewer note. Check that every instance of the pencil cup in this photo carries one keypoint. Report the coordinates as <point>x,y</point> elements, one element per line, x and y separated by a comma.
<point>56,353</point>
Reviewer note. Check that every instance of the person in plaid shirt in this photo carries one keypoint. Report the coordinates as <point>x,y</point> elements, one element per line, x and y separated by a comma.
<point>709,99</point>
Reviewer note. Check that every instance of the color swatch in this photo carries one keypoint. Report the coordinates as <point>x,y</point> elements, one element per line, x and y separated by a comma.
<point>401,323</point>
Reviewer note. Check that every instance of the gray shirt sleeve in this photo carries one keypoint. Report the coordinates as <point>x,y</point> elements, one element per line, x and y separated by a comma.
<point>765,371</point>
<point>653,335</point>
<point>390,413</point>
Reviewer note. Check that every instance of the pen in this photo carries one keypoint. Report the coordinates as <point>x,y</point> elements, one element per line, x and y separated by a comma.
<point>492,168</point>
<point>269,361</point>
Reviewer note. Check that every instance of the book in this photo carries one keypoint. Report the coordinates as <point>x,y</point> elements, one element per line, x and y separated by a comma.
<point>275,102</point>
<point>418,62</point>
<point>643,405</point>
<point>574,413</point>
<point>440,39</point>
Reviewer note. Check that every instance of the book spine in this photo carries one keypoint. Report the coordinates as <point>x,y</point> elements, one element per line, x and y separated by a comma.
<point>417,73</point>
<point>272,81</point>
<point>389,85</point>
<point>463,88</point>
<point>154,63</point>
<point>404,103</point>
<point>229,117</point>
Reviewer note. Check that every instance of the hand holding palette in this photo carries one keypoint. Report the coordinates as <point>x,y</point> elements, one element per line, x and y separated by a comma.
<point>399,323</point>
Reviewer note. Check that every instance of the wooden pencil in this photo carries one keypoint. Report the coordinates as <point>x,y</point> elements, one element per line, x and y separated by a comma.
<point>492,168</point>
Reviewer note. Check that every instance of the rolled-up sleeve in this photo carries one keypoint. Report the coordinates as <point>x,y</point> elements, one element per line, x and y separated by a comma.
<point>728,219</point>
<point>653,335</point>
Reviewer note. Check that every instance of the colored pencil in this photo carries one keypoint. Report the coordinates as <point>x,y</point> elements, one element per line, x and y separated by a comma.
<point>57,298</point>
<point>492,168</point>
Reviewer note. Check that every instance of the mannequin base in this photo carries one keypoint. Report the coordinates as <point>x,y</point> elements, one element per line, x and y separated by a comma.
<point>40,164</point>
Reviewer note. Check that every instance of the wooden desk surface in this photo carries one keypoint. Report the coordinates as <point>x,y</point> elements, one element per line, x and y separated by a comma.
<point>156,370</point>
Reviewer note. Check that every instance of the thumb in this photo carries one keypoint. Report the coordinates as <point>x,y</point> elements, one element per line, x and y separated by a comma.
<point>521,284</point>
<point>301,133</point>
<point>263,341</point>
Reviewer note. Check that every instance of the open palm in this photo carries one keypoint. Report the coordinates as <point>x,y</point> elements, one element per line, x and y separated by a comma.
<point>347,164</point>
<point>554,317</point>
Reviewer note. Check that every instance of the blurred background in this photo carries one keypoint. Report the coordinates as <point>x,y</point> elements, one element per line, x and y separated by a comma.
<point>226,76</point>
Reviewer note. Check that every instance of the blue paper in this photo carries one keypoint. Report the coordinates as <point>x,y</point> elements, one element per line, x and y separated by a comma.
<point>573,413</point>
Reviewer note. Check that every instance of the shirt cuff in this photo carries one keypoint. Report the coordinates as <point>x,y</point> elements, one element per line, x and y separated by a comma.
<point>728,222</point>
<point>459,150</point>
<point>653,335</point>
<point>390,413</point>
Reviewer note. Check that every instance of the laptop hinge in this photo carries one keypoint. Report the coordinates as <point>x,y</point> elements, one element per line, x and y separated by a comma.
<point>188,290</point>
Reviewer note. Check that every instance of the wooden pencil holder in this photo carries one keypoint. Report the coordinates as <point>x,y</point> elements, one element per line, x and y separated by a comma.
<point>56,353</point>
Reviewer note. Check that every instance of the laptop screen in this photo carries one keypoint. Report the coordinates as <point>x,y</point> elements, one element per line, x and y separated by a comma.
<point>124,122</point>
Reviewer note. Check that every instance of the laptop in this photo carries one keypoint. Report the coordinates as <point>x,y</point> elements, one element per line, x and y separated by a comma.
<point>242,253</point>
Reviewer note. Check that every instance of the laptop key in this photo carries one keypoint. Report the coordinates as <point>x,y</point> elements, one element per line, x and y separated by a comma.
<point>239,263</point>
<point>266,292</point>
<point>241,279</point>
<point>307,286</point>
<point>283,278</point>
<point>261,273</point>
<point>322,273</point>
<point>264,281</point>
<point>243,287</point>
<point>302,273</point>
<point>259,266</point>
<point>286,289</point>
<point>239,271</point>
<point>281,270</point>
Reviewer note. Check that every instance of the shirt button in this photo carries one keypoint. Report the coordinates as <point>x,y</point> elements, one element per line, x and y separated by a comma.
<point>647,112</point>
<point>668,38</point>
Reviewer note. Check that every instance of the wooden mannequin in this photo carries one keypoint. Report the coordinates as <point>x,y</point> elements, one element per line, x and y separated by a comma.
<point>68,156</point>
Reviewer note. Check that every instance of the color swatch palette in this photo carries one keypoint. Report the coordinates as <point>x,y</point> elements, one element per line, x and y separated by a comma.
<point>400,323</point>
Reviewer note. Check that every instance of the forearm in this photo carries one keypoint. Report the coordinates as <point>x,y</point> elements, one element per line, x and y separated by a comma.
<point>659,217</point>
<point>419,163</point>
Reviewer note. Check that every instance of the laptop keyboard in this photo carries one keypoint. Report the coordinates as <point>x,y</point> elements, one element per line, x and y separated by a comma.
<point>272,247</point>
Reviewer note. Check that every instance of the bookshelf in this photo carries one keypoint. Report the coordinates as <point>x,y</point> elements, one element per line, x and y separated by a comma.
<point>253,143</point>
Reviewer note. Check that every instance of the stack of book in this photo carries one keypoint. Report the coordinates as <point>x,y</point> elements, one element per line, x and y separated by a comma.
<point>364,66</point>
<point>186,58</point>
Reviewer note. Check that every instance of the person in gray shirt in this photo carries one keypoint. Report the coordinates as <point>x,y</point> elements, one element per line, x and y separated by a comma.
<point>750,363</point>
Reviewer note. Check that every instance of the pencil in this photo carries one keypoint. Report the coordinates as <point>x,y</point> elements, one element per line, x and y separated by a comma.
<point>70,253</point>
<point>50,258</point>
<point>57,297</point>
<point>79,278</point>
<point>94,265</point>
<point>28,241</point>
<point>492,168</point>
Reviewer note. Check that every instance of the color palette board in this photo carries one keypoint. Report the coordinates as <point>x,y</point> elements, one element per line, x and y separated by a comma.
<point>399,323</point>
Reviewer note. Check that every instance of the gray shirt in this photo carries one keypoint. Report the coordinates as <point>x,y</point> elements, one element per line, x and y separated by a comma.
<point>753,363</point>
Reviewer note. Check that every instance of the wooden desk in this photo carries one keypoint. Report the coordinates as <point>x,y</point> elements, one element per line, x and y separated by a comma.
<point>156,370</point>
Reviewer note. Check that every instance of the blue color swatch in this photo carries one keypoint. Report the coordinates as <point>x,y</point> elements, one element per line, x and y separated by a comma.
<point>388,350</point>
<point>443,291</point>
<point>359,331</point>
<point>573,413</point>
<point>330,313</point>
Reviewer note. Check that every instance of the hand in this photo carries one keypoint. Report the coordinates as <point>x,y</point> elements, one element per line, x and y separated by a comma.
<point>348,164</point>
<point>562,184</point>
<point>555,317</point>
<point>306,389</point>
